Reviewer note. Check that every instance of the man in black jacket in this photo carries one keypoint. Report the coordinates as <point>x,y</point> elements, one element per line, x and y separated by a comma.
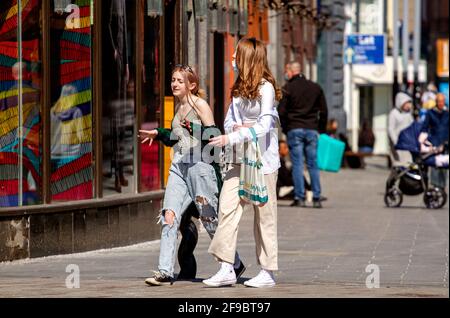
<point>303,114</point>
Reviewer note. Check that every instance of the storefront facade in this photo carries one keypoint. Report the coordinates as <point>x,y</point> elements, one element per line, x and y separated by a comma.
<point>78,79</point>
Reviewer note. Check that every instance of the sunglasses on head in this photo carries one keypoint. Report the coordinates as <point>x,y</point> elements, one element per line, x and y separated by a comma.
<point>184,67</point>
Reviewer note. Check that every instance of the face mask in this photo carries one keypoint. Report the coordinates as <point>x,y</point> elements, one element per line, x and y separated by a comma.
<point>233,63</point>
<point>286,77</point>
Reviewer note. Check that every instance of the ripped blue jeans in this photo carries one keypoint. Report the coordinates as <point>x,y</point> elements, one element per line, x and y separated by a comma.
<point>187,182</point>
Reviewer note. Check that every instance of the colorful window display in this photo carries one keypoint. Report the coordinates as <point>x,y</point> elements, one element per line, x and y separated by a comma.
<point>57,106</point>
<point>20,103</point>
<point>71,92</point>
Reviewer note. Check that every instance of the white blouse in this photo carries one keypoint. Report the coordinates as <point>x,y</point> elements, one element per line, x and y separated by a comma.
<point>262,113</point>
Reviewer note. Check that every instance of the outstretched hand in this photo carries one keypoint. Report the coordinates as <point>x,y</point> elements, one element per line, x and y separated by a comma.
<point>147,135</point>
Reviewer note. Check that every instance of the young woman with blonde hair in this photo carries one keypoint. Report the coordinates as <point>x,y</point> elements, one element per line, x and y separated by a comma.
<point>193,176</point>
<point>254,96</point>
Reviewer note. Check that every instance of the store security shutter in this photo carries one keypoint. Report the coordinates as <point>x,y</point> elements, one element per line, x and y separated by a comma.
<point>212,15</point>
<point>222,16</point>
<point>243,17</point>
<point>200,9</point>
<point>233,13</point>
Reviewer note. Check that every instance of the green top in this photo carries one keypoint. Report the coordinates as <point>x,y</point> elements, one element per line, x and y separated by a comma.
<point>186,137</point>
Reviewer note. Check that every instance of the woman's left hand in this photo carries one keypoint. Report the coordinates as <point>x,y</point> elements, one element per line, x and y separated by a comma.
<point>219,141</point>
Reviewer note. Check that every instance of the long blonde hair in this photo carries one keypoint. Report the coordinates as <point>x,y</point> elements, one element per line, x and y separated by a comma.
<point>190,77</point>
<point>251,61</point>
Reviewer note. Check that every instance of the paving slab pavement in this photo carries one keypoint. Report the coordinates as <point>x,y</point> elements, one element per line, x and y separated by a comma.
<point>322,253</point>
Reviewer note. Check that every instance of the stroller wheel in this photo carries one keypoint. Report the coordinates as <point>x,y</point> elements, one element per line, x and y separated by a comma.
<point>393,198</point>
<point>435,198</point>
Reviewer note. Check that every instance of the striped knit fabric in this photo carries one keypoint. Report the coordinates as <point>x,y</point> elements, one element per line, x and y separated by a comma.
<point>72,173</point>
<point>9,109</point>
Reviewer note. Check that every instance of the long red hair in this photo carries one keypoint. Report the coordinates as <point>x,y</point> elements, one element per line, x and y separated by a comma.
<point>251,61</point>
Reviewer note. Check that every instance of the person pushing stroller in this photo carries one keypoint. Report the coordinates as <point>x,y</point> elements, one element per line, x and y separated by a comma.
<point>412,178</point>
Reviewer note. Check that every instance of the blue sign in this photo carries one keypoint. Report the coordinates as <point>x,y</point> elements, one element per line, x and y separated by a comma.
<point>443,88</point>
<point>365,49</point>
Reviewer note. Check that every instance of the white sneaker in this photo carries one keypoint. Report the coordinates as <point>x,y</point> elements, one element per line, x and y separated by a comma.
<point>224,277</point>
<point>263,279</point>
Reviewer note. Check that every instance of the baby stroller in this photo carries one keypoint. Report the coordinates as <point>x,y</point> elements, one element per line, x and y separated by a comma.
<point>412,179</point>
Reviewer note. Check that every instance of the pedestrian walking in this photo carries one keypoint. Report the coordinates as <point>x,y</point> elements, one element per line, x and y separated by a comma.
<point>400,118</point>
<point>252,110</point>
<point>192,178</point>
<point>303,113</point>
<point>434,133</point>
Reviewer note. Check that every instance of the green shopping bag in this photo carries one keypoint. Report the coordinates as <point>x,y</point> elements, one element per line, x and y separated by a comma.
<point>252,186</point>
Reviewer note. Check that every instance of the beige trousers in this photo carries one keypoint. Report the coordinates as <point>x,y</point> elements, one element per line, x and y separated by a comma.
<point>223,245</point>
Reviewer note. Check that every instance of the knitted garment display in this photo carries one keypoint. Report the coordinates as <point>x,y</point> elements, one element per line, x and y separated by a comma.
<point>71,153</point>
<point>71,114</point>
<point>10,110</point>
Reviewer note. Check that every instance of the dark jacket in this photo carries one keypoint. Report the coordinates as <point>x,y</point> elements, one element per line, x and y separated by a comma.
<point>436,125</point>
<point>303,105</point>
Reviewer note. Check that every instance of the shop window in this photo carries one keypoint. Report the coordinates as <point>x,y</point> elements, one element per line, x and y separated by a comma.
<point>20,102</point>
<point>151,100</point>
<point>71,149</point>
<point>118,78</point>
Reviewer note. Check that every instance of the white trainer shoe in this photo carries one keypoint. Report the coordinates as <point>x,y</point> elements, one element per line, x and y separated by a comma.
<point>263,279</point>
<point>224,277</point>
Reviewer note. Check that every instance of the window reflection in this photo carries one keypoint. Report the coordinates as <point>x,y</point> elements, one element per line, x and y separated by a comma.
<point>20,87</point>
<point>71,113</point>
<point>150,110</point>
<point>119,31</point>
